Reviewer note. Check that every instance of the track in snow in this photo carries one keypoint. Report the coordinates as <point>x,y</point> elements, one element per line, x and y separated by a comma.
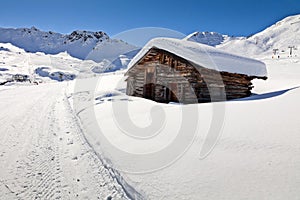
<point>43,154</point>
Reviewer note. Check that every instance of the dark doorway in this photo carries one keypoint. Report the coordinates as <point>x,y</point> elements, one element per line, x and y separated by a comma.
<point>171,92</point>
<point>149,86</point>
<point>149,91</point>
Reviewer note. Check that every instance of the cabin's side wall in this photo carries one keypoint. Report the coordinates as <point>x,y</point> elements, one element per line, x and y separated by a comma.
<point>179,80</point>
<point>135,81</point>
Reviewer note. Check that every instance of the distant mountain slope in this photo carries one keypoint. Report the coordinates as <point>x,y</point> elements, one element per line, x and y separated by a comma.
<point>281,36</point>
<point>80,44</point>
<point>208,38</point>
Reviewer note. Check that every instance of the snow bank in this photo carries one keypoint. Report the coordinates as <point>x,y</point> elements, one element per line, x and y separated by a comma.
<point>256,156</point>
<point>59,67</point>
<point>205,56</point>
<point>54,75</point>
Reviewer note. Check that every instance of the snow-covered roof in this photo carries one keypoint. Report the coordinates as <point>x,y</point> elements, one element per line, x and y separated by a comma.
<point>205,56</point>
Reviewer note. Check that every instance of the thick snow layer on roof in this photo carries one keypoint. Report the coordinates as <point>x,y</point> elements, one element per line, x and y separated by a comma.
<point>205,56</point>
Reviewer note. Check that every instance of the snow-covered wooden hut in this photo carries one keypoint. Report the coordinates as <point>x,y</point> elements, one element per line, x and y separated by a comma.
<point>176,70</point>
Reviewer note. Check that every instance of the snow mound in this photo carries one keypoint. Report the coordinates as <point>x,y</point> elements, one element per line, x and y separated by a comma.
<point>41,66</point>
<point>54,75</point>
<point>205,56</point>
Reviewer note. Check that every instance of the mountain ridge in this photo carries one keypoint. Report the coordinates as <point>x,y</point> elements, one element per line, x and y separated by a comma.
<point>79,44</point>
<point>98,46</point>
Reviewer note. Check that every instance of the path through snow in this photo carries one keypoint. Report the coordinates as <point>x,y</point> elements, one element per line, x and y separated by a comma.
<point>43,154</point>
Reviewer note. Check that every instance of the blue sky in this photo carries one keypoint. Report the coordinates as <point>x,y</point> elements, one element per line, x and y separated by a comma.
<point>233,17</point>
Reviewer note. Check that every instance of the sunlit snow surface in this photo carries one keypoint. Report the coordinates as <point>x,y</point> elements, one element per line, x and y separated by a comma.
<point>45,152</point>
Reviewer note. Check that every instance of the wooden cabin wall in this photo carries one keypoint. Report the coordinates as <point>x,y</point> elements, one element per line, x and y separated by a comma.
<point>136,80</point>
<point>193,83</point>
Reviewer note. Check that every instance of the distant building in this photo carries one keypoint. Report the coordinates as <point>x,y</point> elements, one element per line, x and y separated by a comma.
<point>172,70</point>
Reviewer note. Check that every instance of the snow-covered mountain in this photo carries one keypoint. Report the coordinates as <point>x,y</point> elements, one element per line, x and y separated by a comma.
<point>280,36</point>
<point>208,38</point>
<point>48,56</point>
<point>79,44</point>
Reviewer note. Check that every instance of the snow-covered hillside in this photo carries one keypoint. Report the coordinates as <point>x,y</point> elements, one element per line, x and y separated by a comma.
<point>281,36</point>
<point>43,67</point>
<point>278,37</point>
<point>80,44</point>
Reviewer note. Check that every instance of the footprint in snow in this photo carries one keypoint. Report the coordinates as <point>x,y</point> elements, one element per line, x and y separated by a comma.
<point>70,142</point>
<point>75,158</point>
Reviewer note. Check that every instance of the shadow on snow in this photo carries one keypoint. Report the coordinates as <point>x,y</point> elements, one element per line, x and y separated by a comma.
<point>255,97</point>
